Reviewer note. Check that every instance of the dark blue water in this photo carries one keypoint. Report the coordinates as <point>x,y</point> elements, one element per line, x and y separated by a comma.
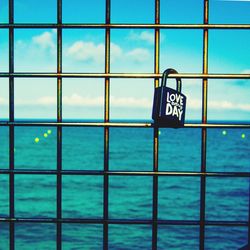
<point>130,197</point>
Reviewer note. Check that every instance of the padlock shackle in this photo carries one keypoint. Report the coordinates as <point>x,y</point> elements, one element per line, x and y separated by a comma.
<point>165,76</point>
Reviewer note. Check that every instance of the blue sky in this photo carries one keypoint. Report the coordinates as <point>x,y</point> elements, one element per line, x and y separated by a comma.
<point>132,51</point>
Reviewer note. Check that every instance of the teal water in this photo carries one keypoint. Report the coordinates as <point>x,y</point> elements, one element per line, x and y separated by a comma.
<point>130,197</point>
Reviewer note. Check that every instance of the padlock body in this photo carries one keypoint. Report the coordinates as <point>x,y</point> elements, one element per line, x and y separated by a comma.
<point>169,107</point>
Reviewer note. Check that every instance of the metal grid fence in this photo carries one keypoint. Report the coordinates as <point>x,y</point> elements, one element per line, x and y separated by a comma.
<point>106,76</point>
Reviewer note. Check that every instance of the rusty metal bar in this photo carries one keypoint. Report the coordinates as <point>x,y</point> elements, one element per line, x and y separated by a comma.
<point>123,75</point>
<point>59,129</point>
<point>122,26</point>
<point>204,130</point>
<point>156,132</point>
<point>11,129</point>
<point>106,130</point>
<point>249,214</point>
<point>119,124</point>
<point>126,173</point>
<point>127,221</point>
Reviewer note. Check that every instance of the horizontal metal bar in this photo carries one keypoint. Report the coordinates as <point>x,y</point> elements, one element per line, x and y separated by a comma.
<point>124,173</point>
<point>206,223</point>
<point>124,221</point>
<point>72,220</point>
<point>123,75</point>
<point>122,26</point>
<point>77,124</point>
<point>117,124</point>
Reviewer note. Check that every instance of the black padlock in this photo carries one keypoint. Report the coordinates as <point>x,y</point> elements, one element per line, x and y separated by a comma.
<point>169,105</point>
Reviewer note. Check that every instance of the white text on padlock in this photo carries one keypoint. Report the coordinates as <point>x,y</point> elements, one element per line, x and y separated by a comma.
<point>175,98</point>
<point>174,111</point>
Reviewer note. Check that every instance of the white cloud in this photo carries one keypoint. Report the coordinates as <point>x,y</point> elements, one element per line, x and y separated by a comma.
<point>42,101</point>
<point>87,101</point>
<point>246,71</point>
<point>127,102</point>
<point>130,102</point>
<point>46,100</point>
<point>77,100</point>
<point>89,51</point>
<point>3,101</point>
<point>193,103</point>
<point>139,54</point>
<point>219,105</point>
<point>20,44</point>
<point>116,51</point>
<point>45,40</point>
<point>244,107</point>
<point>144,36</point>
<point>85,51</point>
<point>36,53</point>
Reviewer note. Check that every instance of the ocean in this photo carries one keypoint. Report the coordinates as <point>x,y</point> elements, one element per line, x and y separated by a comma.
<point>130,197</point>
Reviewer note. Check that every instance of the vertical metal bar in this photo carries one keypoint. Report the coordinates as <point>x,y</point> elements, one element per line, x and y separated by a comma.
<point>59,129</point>
<point>249,212</point>
<point>204,130</point>
<point>156,130</point>
<point>11,128</point>
<point>106,129</point>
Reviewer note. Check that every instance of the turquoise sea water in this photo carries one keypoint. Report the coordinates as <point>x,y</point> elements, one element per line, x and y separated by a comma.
<point>130,197</point>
